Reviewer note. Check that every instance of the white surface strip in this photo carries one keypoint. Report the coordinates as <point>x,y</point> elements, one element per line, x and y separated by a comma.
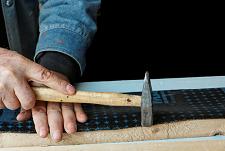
<point>126,86</point>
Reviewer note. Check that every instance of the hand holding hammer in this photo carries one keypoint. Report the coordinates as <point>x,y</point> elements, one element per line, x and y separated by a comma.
<point>103,98</point>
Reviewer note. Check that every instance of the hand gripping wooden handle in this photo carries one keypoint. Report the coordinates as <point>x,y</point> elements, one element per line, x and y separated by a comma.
<point>102,98</point>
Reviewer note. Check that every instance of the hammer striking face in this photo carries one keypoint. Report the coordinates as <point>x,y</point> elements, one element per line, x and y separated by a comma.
<point>146,103</point>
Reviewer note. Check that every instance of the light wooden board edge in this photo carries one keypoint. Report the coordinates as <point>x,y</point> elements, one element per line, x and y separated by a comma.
<point>183,129</point>
<point>205,145</point>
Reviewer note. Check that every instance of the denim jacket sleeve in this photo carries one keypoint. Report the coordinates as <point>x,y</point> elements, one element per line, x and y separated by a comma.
<point>67,26</point>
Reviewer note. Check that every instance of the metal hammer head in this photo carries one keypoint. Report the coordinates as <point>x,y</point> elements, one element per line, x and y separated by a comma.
<point>146,103</point>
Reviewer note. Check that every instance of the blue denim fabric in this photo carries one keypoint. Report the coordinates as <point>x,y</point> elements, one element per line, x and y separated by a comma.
<point>67,26</point>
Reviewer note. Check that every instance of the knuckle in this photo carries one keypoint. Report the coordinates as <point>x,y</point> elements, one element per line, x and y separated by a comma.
<point>67,106</point>
<point>70,118</point>
<point>8,100</point>
<point>62,82</point>
<point>7,72</point>
<point>8,75</point>
<point>10,57</point>
<point>31,96</point>
<point>39,109</point>
<point>2,88</point>
<point>28,104</point>
<point>12,104</point>
<point>45,74</point>
<point>54,109</point>
<point>7,53</point>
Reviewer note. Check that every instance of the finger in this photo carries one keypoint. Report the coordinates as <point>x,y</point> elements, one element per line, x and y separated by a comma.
<point>69,118</point>
<point>10,100</point>
<point>55,120</point>
<point>40,118</point>
<point>80,114</point>
<point>39,74</point>
<point>24,115</point>
<point>2,106</point>
<point>25,95</point>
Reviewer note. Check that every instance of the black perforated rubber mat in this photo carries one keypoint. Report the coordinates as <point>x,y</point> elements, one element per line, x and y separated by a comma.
<point>168,106</point>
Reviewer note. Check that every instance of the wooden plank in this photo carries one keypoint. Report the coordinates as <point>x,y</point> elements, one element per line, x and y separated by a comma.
<point>204,145</point>
<point>184,129</point>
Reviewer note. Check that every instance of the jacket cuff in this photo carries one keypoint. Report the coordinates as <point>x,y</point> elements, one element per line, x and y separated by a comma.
<point>63,41</point>
<point>60,63</point>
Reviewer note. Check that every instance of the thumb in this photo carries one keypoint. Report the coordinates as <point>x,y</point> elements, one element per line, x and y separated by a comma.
<point>41,75</point>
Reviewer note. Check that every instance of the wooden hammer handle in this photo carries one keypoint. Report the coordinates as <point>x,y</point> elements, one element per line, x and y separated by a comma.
<point>102,98</point>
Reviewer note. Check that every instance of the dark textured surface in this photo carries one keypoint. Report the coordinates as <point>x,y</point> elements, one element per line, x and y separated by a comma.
<point>3,36</point>
<point>168,39</point>
<point>168,106</point>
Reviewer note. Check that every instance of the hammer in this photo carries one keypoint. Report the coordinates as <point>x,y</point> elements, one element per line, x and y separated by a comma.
<point>105,98</point>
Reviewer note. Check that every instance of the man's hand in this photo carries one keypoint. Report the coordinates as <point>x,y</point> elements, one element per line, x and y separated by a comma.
<point>54,116</point>
<point>15,73</point>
